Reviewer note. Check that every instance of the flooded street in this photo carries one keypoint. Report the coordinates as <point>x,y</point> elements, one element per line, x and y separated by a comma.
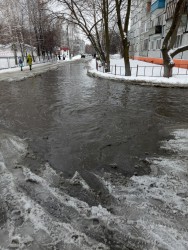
<point>94,164</point>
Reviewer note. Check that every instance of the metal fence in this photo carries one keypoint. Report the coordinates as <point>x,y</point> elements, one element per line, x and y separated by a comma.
<point>10,62</point>
<point>146,71</point>
<point>181,69</point>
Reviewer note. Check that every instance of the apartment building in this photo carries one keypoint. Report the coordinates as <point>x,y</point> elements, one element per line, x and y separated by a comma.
<point>150,21</point>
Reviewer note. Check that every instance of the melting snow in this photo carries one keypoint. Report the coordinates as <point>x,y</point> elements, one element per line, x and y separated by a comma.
<point>180,80</point>
<point>150,211</point>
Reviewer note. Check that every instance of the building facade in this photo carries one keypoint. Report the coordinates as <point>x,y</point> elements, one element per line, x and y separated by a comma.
<point>71,38</point>
<point>150,21</point>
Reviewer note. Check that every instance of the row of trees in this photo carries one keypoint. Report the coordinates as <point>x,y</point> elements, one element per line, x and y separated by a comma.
<point>100,19</point>
<point>28,22</point>
<point>104,23</point>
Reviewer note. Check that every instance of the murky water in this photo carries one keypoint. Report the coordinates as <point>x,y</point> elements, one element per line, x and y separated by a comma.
<point>84,139</point>
<point>75,121</point>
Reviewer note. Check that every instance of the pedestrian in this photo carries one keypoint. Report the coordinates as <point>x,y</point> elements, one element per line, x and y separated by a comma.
<point>20,63</point>
<point>29,61</point>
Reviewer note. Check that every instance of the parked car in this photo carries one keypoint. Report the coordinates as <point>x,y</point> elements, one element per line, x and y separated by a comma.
<point>83,56</point>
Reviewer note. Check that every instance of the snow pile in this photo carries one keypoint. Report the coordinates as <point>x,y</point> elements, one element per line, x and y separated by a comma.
<point>37,215</point>
<point>156,206</point>
<point>12,148</point>
<point>145,72</point>
<point>76,57</point>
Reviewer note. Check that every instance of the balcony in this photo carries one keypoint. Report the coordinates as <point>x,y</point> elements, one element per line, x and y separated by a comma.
<point>171,6</point>
<point>158,4</point>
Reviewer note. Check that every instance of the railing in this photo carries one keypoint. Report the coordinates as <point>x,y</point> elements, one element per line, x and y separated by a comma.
<point>145,71</point>
<point>9,62</point>
<point>181,69</point>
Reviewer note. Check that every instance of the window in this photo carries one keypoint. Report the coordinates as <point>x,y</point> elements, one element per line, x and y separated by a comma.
<point>152,44</point>
<point>146,43</point>
<point>142,28</point>
<point>158,44</point>
<point>148,25</point>
<point>157,21</point>
<point>178,42</point>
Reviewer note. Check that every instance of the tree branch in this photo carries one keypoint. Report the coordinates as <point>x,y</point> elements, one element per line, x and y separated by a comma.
<point>179,50</point>
<point>167,43</point>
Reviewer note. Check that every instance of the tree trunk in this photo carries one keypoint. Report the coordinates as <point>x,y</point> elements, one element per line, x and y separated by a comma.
<point>167,62</point>
<point>15,55</point>
<point>106,35</point>
<point>123,29</point>
<point>125,54</point>
<point>170,39</point>
<point>126,58</point>
<point>167,70</point>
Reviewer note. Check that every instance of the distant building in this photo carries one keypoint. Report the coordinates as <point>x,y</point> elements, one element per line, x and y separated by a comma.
<point>150,21</point>
<point>71,38</point>
<point>10,53</point>
<point>12,50</point>
<point>78,46</point>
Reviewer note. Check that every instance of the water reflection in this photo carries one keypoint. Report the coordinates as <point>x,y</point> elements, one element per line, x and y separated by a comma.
<point>80,115</point>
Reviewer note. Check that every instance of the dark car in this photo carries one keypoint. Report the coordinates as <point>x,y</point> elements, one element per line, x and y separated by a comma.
<point>83,56</point>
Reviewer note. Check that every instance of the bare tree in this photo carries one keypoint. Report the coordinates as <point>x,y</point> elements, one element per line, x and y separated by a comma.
<point>12,23</point>
<point>123,29</point>
<point>168,50</point>
<point>115,42</point>
<point>28,22</point>
<point>93,18</point>
<point>105,14</point>
<point>43,30</point>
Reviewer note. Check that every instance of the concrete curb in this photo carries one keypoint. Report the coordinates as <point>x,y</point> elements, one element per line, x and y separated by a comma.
<point>134,81</point>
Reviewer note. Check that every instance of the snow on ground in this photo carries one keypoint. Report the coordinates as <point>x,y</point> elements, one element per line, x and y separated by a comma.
<point>144,73</point>
<point>156,205</point>
<point>35,65</point>
<point>149,213</point>
<point>34,215</point>
<point>17,75</point>
<point>17,68</point>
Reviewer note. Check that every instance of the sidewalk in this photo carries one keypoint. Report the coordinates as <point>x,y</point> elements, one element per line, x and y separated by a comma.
<point>180,81</point>
<point>15,74</point>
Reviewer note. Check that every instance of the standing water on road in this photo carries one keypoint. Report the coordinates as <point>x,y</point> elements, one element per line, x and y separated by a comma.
<point>92,164</point>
